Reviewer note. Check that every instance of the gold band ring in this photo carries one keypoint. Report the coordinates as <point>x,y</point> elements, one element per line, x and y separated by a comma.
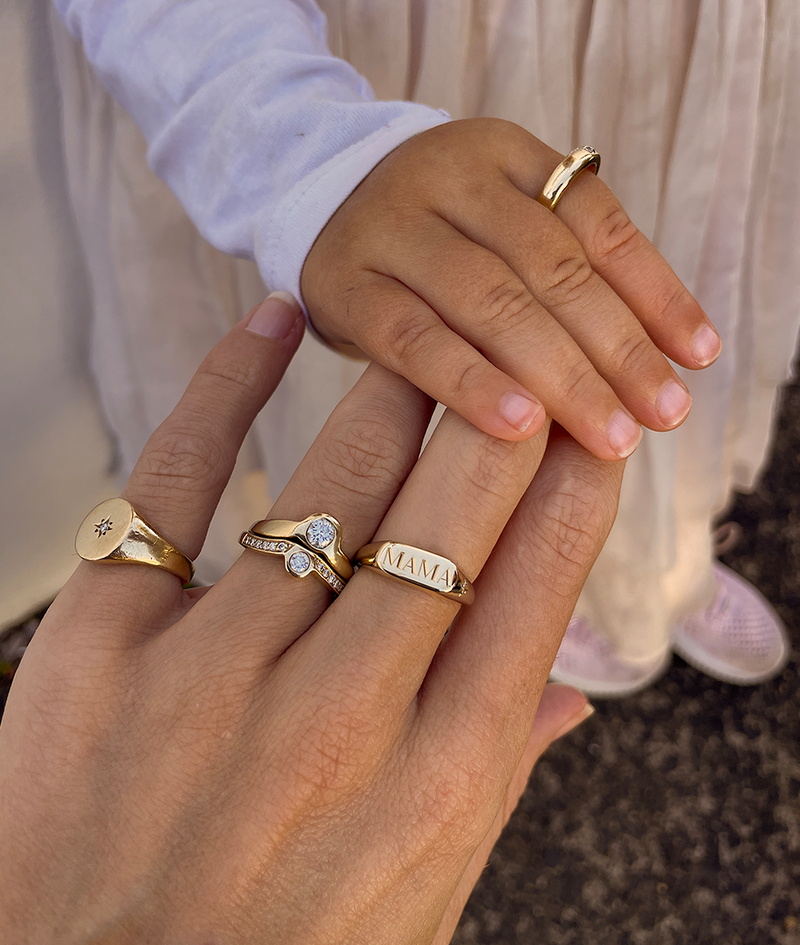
<point>114,531</point>
<point>415,566</point>
<point>299,560</point>
<point>320,533</point>
<point>575,162</point>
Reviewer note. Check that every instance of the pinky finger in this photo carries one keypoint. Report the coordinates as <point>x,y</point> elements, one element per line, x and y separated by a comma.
<point>415,343</point>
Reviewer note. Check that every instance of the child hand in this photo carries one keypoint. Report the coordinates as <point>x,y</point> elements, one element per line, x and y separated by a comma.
<point>442,266</point>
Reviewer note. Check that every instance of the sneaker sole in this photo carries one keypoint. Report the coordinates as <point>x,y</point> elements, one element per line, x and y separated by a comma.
<point>596,689</point>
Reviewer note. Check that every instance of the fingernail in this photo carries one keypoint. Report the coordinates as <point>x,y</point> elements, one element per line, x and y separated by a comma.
<point>706,345</point>
<point>276,317</point>
<point>575,721</point>
<point>673,403</point>
<point>518,411</point>
<point>623,433</point>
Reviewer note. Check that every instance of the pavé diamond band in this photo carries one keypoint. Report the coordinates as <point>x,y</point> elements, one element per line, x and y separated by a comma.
<point>299,560</point>
<point>423,569</point>
<point>576,161</point>
<point>320,533</point>
<point>114,531</point>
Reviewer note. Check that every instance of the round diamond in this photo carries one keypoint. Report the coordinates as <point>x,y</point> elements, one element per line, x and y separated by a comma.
<point>320,533</point>
<point>299,562</point>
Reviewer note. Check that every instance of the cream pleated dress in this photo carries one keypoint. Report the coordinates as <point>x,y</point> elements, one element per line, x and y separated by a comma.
<point>694,106</point>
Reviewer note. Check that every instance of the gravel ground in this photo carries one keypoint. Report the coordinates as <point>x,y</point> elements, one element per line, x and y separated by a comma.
<point>670,817</point>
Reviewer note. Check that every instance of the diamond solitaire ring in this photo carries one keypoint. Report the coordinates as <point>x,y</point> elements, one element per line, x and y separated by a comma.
<point>423,569</point>
<point>320,534</point>
<point>114,531</point>
<point>300,561</point>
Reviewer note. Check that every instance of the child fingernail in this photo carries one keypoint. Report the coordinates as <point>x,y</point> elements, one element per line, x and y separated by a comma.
<point>673,403</point>
<point>518,411</point>
<point>706,345</point>
<point>276,317</point>
<point>623,433</point>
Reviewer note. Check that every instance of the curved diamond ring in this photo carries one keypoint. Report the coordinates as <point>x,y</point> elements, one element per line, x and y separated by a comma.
<point>320,533</point>
<point>299,560</point>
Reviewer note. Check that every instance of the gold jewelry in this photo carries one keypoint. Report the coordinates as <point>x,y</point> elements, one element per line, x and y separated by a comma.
<point>415,566</point>
<point>320,533</point>
<point>576,161</point>
<point>299,560</point>
<point>114,531</point>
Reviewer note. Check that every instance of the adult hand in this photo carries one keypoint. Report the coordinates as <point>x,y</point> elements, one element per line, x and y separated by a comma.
<point>251,763</point>
<point>442,266</point>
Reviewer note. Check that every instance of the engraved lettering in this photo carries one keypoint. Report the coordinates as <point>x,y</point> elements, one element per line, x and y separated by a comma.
<point>396,562</point>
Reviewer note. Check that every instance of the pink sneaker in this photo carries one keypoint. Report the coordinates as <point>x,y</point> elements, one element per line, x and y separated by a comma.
<point>738,638</point>
<point>588,662</point>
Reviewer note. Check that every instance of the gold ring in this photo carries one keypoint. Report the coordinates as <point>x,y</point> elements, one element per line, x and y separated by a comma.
<point>299,560</point>
<point>575,162</point>
<point>415,566</point>
<point>114,531</point>
<point>320,533</point>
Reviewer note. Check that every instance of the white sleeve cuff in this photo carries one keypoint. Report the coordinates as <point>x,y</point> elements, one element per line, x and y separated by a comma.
<point>281,246</point>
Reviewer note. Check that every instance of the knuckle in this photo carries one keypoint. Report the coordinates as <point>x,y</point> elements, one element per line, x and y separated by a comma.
<point>506,305</point>
<point>676,300</point>
<point>633,355</point>
<point>616,237</point>
<point>179,458</point>
<point>360,453</point>
<point>466,377</point>
<point>406,338</point>
<point>578,381</point>
<point>574,524</point>
<point>569,280</point>
<point>490,469</point>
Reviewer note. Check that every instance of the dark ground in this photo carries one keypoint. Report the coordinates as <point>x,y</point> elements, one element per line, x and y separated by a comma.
<point>671,817</point>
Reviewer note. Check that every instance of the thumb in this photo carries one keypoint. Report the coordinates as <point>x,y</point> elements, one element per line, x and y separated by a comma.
<point>560,709</point>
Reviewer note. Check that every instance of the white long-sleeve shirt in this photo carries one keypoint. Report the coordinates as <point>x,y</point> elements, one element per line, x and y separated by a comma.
<point>259,131</point>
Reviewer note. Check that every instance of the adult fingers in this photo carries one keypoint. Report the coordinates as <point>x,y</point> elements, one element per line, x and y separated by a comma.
<point>185,465</point>
<point>352,471</point>
<point>455,504</point>
<point>560,710</point>
<point>499,654</point>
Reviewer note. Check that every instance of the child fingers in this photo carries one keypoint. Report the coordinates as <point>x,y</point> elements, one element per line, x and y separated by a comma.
<point>546,259</point>
<point>478,296</point>
<point>631,265</point>
<point>413,341</point>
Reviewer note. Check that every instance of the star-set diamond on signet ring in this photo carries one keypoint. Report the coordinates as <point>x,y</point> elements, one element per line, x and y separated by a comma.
<point>311,546</point>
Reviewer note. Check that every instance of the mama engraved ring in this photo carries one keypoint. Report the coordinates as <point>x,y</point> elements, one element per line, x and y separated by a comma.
<point>422,569</point>
<point>114,531</point>
<point>576,161</point>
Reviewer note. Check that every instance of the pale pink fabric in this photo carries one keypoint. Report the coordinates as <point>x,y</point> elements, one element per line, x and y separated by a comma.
<point>694,107</point>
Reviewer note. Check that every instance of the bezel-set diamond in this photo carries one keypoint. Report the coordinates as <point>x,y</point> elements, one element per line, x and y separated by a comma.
<point>320,533</point>
<point>299,562</point>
